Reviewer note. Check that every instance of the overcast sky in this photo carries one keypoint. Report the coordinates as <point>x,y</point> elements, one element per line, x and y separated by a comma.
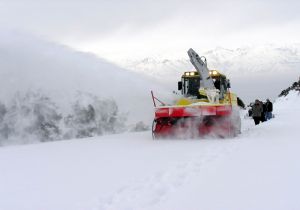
<point>130,28</point>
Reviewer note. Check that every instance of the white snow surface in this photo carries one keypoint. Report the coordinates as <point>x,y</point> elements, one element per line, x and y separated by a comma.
<point>259,169</point>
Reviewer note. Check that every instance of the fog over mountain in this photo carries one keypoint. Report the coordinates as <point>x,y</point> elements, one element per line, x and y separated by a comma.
<point>255,72</point>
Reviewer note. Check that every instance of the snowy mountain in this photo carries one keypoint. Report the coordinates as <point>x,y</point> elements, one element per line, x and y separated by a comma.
<point>30,63</point>
<point>259,169</point>
<point>255,71</point>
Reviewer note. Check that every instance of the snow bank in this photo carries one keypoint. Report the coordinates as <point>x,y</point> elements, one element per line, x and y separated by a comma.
<point>289,102</point>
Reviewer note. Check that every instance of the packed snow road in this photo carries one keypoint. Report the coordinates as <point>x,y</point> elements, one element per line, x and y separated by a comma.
<point>115,171</point>
<point>257,170</point>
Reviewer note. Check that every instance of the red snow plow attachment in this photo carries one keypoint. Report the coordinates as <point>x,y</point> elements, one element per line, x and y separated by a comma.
<point>195,122</point>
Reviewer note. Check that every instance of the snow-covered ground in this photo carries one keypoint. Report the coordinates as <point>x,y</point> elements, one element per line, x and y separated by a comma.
<point>257,170</point>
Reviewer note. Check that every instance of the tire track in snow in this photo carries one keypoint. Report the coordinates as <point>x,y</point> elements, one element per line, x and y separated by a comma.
<point>150,191</point>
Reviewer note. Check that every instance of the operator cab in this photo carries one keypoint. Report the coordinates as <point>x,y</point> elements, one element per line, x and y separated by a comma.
<point>191,82</point>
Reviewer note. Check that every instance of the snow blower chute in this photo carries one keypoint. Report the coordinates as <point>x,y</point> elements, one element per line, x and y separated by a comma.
<point>207,107</point>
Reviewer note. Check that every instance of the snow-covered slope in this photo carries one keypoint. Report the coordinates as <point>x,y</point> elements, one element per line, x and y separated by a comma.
<point>257,170</point>
<point>255,71</point>
<point>30,63</point>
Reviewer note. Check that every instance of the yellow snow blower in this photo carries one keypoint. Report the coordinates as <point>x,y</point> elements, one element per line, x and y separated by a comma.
<point>207,107</point>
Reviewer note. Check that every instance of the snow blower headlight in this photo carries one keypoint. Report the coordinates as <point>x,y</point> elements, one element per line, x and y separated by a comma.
<point>189,73</point>
<point>213,72</point>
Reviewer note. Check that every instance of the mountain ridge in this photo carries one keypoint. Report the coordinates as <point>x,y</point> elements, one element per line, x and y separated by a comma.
<point>264,66</point>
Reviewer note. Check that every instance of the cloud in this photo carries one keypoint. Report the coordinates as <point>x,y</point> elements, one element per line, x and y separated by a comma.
<point>82,18</point>
<point>129,27</point>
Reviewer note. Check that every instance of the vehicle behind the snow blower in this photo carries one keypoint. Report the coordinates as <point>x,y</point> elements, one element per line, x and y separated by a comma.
<point>207,107</point>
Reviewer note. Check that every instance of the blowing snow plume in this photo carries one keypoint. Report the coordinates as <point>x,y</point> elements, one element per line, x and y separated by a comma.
<point>47,71</point>
<point>34,117</point>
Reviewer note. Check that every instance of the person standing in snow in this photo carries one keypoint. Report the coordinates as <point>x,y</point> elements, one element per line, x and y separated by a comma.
<point>257,111</point>
<point>264,110</point>
<point>298,85</point>
<point>269,111</point>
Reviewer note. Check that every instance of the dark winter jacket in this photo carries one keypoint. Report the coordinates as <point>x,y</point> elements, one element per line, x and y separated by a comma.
<point>257,110</point>
<point>269,106</point>
<point>264,107</point>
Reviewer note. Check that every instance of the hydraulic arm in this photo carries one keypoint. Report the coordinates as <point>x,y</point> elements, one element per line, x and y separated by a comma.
<point>201,66</point>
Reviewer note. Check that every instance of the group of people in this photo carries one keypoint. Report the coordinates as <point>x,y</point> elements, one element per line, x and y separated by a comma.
<point>260,111</point>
